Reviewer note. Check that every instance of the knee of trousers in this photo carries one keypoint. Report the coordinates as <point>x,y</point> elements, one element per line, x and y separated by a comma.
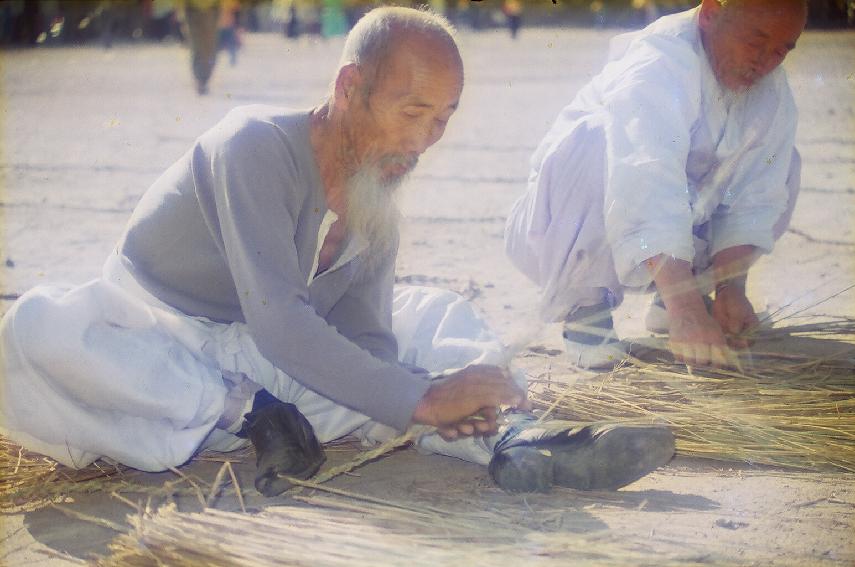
<point>438,330</point>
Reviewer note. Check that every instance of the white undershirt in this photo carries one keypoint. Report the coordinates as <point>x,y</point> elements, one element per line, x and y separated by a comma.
<point>354,246</point>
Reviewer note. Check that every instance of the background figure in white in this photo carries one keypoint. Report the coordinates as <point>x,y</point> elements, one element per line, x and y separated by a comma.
<point>678,158</point>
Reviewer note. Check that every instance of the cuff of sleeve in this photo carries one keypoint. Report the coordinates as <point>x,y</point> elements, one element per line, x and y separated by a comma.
<point>394,397</point>
<point>762,239</point>
<point>630,255</point>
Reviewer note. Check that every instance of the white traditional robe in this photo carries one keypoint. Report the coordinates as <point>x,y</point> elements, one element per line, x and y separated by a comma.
<point>105,369</point>
<point>653,157</point>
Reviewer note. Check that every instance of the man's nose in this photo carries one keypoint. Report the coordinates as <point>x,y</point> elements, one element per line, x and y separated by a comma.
<point>423,138</point>
<point>418,143</point>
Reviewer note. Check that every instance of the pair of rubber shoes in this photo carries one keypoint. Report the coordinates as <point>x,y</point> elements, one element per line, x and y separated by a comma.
<point>528,456</point>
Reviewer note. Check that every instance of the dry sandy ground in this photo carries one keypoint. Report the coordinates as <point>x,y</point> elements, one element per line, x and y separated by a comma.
<point>85,131</point>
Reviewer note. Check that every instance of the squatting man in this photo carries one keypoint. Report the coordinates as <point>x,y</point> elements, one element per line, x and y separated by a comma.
<point>251,299</point>
<point>675,167</point>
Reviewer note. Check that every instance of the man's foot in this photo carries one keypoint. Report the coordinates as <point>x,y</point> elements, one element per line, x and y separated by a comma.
<point>656,320</point>
<point>284,442</point>
<point>536,457</point>
<point>590,340</point>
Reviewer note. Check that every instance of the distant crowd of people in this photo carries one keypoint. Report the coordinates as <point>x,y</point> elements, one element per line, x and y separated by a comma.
<point>33,22</point>
<point>210,26</point>
<point>38,22</point>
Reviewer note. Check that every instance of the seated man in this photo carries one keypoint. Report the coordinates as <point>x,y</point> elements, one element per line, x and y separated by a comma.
<point>251,297</point>
<point>676,167</point>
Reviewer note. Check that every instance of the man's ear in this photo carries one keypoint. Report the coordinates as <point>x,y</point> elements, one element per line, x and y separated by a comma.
<point>347,82</point>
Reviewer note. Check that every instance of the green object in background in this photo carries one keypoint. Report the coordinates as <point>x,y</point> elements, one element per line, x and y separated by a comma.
<point>333,19</point>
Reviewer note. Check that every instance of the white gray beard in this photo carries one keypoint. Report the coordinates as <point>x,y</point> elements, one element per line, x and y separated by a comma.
<point>372,213</point>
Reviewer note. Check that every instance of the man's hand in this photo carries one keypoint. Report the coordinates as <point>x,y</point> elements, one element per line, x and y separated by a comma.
<point>697,339</point>
<point>731,308</point>
<point>465,402</point>
<point>734,313</point>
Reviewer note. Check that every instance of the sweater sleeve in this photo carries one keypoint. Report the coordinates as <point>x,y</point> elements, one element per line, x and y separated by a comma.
<point>253,182</point>
<point>651,100</point>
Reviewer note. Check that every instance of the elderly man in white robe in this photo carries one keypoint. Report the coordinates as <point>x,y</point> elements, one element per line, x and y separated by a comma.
<point>251,300</point>
<point>675,167</point>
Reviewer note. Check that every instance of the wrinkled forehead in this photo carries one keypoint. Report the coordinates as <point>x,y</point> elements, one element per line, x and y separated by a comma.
<point>780,11</point>
<point>421,64</point>
<point>781,21</point>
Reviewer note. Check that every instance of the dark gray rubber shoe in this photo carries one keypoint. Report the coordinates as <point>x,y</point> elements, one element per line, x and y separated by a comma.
<point>285,443</point>
<point>541,456</point>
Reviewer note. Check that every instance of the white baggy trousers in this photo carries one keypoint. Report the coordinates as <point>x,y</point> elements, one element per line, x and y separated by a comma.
<point>107,370</point>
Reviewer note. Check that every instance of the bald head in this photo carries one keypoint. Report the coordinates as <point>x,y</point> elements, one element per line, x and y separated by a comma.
<point>775,4</point>
<point>383,32</point>
<point>773,8</point>
<point>745,40</point>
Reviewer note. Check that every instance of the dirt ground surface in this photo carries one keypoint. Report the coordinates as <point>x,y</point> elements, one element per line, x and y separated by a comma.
<point>85,131</point>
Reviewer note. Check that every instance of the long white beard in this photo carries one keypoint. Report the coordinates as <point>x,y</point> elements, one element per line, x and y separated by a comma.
<point>372,213</point>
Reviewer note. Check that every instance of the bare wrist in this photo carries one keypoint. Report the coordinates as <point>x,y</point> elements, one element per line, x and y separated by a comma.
<point>422,414</point>
<point>730,285</point>
<point>686,304</point>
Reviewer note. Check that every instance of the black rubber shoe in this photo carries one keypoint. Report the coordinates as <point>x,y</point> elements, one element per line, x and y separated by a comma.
<point>284,442</point>
<point>537,457</point>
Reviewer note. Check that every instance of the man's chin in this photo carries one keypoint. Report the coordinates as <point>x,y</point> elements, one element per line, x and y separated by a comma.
<point>393,179</point>
<point>741,83</point>
<point>397,172</point>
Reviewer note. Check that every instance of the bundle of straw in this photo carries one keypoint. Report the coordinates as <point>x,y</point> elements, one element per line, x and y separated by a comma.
<point>784,408</point>
<point>333,532</point>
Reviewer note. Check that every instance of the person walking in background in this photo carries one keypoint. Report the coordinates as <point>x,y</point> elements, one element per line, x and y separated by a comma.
<point>201,18</point>
<point>229,38</point>
<point>512,9</point>
<point>292,28</point>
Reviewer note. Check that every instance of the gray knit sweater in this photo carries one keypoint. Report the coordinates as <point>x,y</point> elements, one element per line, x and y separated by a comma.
<point>230,232</point>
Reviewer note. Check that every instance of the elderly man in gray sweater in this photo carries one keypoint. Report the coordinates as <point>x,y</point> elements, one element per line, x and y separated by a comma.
<point>251,299</point>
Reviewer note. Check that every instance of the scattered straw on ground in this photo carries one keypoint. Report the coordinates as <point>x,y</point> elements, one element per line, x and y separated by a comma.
<point>27,479</point>
<point>785,408</point>
<point>332,532</point>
